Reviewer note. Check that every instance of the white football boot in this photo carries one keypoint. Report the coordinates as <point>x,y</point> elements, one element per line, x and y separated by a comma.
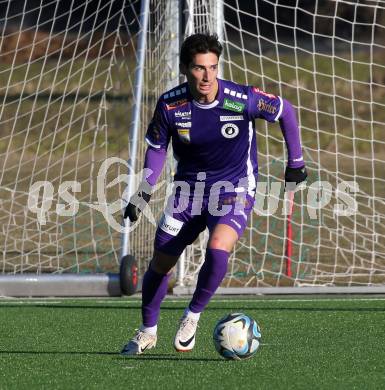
<point>185,336</point>
<point>141,342</point>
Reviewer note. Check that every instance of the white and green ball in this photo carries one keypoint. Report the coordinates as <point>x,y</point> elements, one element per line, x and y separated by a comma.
<point>237,336</point>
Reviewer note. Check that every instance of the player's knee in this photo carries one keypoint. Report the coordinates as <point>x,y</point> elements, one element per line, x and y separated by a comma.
<point>217,242</point>
<point>162,263</point>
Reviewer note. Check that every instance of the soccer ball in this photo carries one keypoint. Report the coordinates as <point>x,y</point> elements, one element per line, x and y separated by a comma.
<point>237,336</point>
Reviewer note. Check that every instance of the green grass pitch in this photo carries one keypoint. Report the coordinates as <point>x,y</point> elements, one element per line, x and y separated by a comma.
<point>306,344</point>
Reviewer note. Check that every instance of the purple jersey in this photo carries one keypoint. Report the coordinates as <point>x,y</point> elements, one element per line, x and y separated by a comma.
<point>219,138</point>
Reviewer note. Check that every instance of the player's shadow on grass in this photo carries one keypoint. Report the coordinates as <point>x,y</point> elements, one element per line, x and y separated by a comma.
<point>171,357</point>
<point>117,355</point>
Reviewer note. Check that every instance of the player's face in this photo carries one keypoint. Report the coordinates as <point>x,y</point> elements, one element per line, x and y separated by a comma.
<point>202,76</point>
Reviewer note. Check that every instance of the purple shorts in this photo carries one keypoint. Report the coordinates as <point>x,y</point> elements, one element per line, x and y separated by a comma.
<point>184,219</point>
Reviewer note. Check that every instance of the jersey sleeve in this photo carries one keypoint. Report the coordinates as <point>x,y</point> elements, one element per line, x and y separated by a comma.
<point>290,130</point>
<point>264,105</point>
<point>158,131</point>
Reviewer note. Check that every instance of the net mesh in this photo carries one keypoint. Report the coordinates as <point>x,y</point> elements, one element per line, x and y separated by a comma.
<point>326,60</point>
<point>65,89</point>
<point>67,77</point>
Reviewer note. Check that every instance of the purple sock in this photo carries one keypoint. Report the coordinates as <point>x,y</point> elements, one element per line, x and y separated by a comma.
<point>210,277</point>
<point>154,289</point>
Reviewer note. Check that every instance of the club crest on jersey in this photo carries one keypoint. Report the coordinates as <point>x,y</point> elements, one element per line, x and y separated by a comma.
<point>229,130</point>
<point>231,105</point>
<point>184,135</point>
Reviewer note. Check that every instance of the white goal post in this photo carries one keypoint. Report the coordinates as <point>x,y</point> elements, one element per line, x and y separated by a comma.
<point>70,104</point>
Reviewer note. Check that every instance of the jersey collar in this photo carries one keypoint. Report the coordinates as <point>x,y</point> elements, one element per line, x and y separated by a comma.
<point>206,106</point>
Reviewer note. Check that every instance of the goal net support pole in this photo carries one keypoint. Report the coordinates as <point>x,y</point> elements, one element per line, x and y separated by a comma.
<point>134,131</point>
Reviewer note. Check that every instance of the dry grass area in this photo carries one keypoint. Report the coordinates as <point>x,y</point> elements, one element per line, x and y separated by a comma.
<point>22,46</point>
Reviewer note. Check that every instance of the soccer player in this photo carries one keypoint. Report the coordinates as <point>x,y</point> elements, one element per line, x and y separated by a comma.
<point>210,122</point>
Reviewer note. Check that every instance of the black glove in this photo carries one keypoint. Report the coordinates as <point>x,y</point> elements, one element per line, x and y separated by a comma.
<point>138,202</point>
<point>295,175</point>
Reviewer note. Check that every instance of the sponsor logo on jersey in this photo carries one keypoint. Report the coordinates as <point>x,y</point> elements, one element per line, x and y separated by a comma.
<point>231,105</point>
<point>170,225</point>
<point>183,114</point>
<point>176,104</point>
<point>183,124</point>
<point>269,95</point>
<point>229,130</point>
<point>184,135</point>
<point>225,118</point>
<point>263,106</point>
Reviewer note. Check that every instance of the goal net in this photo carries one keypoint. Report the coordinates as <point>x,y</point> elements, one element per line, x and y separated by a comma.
<point>326,57</point>
<point>67,85</point>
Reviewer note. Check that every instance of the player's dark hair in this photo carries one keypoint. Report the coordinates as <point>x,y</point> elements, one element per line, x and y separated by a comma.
<point>199,44</point>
